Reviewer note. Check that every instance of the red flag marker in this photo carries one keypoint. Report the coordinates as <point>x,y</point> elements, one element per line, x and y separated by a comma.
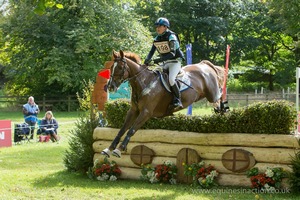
<point>104,73</point>
<point>226,73</point>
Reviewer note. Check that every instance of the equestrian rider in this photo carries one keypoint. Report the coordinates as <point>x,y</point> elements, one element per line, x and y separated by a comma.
<point>167,44</point>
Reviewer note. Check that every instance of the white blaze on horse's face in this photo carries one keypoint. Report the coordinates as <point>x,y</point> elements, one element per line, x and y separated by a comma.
<point>113,68</point>
<point>111,83</point>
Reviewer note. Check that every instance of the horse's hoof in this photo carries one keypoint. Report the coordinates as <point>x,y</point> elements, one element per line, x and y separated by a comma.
<point>106,152</point>
<point>116,153</point>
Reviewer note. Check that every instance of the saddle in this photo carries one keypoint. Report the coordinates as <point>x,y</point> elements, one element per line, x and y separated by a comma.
<point>182,80</point>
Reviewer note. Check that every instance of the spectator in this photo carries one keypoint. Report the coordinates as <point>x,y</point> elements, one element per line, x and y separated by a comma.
<point>30,111</point>
<point>49,126</point>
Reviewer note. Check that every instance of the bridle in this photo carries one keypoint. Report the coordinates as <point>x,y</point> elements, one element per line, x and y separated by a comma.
<point>125,68</point>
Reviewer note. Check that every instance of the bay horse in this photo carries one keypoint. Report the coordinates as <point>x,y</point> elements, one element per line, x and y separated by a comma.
<point>149,98</point>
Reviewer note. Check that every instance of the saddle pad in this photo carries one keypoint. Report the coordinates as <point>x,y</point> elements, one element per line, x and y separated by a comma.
<point>182,78</point>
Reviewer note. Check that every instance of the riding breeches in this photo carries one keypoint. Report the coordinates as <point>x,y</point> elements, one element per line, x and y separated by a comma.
<point>174,67</point>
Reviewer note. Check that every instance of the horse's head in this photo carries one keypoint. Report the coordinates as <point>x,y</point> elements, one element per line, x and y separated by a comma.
<point>119,71</point>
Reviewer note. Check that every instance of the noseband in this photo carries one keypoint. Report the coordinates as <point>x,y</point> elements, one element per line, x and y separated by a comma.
<point>124,67</point>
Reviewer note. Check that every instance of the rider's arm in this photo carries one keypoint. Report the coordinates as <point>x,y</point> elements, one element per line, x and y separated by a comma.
<point>150,54</point>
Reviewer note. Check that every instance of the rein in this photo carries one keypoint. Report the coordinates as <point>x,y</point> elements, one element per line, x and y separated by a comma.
<point>136,75</point>
<point>127,68</point>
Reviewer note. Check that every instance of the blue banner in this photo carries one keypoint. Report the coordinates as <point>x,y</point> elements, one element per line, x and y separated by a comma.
<point>189,61</point>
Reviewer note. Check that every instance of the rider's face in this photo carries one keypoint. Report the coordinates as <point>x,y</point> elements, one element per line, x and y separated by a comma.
<point>160,29</point>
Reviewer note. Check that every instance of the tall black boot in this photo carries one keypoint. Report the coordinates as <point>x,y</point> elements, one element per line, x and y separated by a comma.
<point>176,102</point>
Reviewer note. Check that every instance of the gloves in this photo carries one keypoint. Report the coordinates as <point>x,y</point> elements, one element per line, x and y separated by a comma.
<point>147,61</point>
<point>157,60</point>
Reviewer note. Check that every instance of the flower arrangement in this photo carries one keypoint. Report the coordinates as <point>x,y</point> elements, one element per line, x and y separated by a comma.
<point>165,173</point>
<point>104,170</point>
<point>269,180</point>
<point>203,176</point>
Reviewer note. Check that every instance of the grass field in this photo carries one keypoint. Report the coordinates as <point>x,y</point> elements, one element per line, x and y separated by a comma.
<point>36,171</point>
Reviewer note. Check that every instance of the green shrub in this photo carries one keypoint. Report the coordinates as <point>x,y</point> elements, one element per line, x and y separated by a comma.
<point>79,156</point>
<point>294,178</point>
<point>271,117</point>
<point>115,112</point>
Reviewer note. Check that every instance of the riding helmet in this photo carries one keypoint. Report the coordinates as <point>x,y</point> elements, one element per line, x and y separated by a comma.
<point>162,22</point>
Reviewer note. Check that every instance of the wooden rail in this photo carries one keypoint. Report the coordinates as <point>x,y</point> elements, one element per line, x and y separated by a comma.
<point>45,102</point>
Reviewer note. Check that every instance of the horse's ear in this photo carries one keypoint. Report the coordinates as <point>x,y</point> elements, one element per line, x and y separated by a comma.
<point>122,54</point>
<point>115,54</point>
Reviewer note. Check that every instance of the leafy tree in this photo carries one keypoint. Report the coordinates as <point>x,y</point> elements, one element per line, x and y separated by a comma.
<point>201,23</point>
<point>255,37</point>
<point>259,42</point>
<point>288,14</point>
<point>54,52</point>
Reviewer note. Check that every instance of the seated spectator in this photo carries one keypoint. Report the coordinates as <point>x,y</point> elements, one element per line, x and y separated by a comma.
<point>30,111</point>
<point>49,126</point>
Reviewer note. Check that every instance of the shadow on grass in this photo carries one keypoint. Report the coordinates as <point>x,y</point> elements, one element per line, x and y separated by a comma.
<point>65,179</point>
<point>140,190</point>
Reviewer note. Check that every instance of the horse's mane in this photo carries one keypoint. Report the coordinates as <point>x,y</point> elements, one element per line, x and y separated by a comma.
<point>219,71</point>
<point>134,57</point>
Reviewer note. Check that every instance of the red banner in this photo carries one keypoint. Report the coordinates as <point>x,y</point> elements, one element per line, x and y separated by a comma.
<point>5,133</point>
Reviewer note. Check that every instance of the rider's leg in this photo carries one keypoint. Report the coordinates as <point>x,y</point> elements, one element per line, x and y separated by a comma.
<point>174,69</point>
<point>176,93</point>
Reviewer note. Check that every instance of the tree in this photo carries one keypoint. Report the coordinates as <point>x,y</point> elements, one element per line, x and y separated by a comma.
<point>259,42</point>
<point>54,52</point>
<point>287,14</point>
<point>204,24</point>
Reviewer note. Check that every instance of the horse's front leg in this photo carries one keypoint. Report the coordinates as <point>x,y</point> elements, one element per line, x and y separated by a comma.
<point>130,118</point>
<point>139,122</point>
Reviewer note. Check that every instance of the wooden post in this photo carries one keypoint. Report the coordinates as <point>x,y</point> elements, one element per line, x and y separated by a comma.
<point>44,103</point>
<point>69,103</point>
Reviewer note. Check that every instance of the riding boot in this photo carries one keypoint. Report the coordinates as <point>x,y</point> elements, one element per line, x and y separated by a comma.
<point>176,101</point>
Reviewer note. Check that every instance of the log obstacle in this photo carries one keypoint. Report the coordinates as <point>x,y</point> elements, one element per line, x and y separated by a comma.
<point>232,154</point>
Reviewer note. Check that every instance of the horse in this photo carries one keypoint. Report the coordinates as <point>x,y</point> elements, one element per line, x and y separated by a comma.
<point>150,98</point>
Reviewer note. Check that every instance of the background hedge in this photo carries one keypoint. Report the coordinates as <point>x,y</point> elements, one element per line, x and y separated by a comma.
<point>271,117</point>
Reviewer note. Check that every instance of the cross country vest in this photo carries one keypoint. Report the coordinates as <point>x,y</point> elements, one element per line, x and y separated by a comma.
<point>162,45</point>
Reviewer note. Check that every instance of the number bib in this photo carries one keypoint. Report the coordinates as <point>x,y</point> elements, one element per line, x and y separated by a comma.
<point>162,47</point>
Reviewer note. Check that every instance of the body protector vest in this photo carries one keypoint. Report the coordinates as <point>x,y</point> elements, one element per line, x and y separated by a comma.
<point>167,46</point>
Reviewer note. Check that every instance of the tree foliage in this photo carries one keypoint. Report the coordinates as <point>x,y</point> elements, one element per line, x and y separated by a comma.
<point>54,52</point>
<point>287,13</point>
<point>50,46</point>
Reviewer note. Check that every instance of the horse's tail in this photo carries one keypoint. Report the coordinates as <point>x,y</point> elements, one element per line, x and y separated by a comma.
<point>220,71</point>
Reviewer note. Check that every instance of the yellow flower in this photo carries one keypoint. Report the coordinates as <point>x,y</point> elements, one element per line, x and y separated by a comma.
<point>203,181</point>
<point>257,196</point>
<point>183,163</point>
<point>190,168</point>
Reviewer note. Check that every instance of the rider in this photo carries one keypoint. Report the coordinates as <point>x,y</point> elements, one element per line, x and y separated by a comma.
<point>167,44</point>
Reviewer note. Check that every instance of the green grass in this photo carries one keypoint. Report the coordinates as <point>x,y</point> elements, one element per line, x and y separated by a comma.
<point>36,171</point>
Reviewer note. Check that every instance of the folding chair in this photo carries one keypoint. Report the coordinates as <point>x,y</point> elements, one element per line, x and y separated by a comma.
<point>22,133</point>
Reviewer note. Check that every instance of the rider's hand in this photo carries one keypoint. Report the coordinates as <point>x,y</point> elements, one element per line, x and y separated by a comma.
<point>157,60</point>
<point>147,61</point>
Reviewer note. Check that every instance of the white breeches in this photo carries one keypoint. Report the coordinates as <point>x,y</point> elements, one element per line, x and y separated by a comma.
<point>174,67</point>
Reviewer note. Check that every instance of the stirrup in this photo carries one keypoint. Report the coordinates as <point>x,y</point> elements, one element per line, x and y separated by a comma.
<point>117,153</point>
<point>106,152</point>
<point>177,103</point>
